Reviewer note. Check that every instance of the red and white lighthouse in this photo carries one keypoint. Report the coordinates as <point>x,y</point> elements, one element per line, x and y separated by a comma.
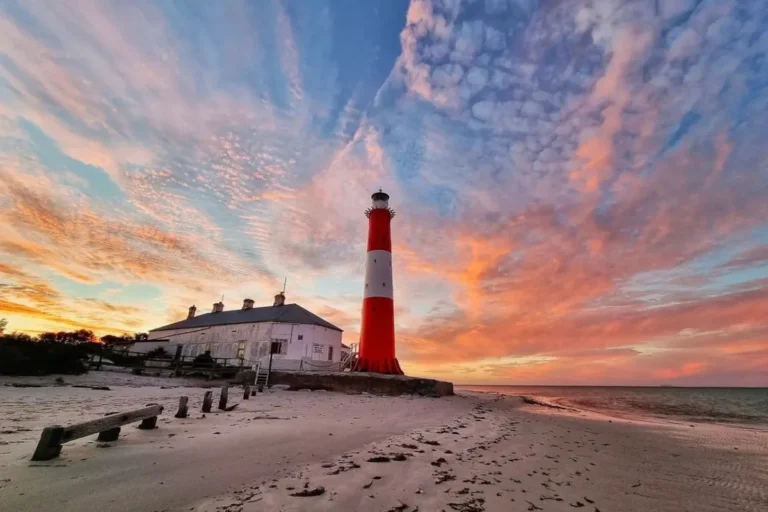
<point>377,334</point>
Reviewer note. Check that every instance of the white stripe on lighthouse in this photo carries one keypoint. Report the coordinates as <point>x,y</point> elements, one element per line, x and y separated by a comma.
<point>378,274</point>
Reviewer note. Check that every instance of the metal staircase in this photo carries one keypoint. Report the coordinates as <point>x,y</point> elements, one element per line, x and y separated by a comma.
<point>349,360</point>
<point>262,377</point>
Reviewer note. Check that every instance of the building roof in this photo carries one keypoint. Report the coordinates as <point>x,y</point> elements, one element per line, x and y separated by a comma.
<point>287,314</point>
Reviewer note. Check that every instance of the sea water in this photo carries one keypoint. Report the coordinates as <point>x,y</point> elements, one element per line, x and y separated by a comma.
<point>747,406</point>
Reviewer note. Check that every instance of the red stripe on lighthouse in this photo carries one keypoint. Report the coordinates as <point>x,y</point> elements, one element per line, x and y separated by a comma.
<point>379,237</point>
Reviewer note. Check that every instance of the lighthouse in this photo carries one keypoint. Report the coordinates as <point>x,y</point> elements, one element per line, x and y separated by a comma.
<point>377,333</point>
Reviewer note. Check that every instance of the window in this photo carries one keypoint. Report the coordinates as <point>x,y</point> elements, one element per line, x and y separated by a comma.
<point>241,350</point>
<point>282,346</point>
<point>330,353</point>
<point>300,337</point>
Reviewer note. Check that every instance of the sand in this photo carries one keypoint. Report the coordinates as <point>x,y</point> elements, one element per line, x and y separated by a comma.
<point>472,452</point>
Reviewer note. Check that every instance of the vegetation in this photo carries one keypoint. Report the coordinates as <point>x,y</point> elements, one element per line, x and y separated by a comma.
<point>158,353</point>
<point>61,352</point>
<point>111,340</point>
<point>203,360</point>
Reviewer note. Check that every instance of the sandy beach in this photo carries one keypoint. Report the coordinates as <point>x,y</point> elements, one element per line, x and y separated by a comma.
<point>292,451</point>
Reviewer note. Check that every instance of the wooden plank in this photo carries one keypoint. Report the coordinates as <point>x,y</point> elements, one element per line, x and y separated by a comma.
<point>111,434</point>
<point>148,423</point>
<point>109,422</point>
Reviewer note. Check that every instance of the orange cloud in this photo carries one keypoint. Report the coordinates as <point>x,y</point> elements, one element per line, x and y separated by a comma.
<point>596,154</point>
<point>563,282</point>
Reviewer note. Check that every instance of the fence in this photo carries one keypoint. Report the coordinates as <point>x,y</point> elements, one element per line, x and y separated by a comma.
<point>108,427</point>
<point>182,365</point>
<point>211,366</point>
<point>309,365</point>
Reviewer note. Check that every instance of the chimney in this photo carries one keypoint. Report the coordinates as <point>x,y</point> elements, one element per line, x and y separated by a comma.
<point>279,299</point>
<point>247,304</point>
<point>192,312</point>
<point>218,307</point>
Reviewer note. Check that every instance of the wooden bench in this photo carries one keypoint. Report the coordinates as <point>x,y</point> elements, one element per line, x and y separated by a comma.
<point>107,427</point>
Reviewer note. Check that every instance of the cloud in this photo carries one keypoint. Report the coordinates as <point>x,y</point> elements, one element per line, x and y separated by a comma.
<point>26,297</point>
<point>750,257</point>
<point>595,154</point>
<point>579,186</point>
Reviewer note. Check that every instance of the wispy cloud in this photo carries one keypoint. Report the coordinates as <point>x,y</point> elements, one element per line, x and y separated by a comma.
<point>580,186</point>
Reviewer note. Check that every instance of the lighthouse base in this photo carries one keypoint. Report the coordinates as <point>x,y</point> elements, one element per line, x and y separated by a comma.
<point>356,383</point>
<point>385,366</point>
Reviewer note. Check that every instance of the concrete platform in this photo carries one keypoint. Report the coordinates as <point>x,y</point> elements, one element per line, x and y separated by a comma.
<point>355,383</point>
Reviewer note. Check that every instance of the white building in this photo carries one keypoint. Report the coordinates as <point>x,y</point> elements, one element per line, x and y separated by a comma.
<point>305,340</point>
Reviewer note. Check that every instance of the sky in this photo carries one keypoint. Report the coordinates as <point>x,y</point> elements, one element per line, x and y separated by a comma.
<point>581,186</point>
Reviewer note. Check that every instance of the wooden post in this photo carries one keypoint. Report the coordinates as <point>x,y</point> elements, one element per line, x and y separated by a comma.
<point>269,370</point>
<point>111,434</point>
<point>246,391</point>
<point>149,423</point>
<point>182,412</point>
<point>223,397</point>
<point>207,401</point>
<point>49,445</point>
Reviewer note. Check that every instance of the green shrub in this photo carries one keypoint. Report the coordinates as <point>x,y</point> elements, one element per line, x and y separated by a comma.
<point>203,360</point>
<point>158,353</point>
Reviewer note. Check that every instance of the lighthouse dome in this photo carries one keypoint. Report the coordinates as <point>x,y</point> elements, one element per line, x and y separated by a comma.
<point>380,196</point>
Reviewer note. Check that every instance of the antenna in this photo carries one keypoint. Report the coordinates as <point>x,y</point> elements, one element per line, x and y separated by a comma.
<point>285,282</point>
<point>222,298</point>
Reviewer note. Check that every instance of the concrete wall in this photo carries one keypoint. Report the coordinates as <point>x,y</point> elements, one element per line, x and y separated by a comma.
<point>363,383</point>
<point>146,346</point>
<point>311,343</point>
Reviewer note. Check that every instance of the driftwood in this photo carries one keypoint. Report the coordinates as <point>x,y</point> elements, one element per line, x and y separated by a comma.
<point>54,436</point>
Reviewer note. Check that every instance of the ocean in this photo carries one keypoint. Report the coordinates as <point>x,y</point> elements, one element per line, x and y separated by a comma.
<point>739,406</point>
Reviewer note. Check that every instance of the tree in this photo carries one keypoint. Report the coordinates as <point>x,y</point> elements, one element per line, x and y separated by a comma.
<point>111,339</point>
<point>158,353</point>
<point>3,325</point>
<point>69,338</point>
<point>21,354</point>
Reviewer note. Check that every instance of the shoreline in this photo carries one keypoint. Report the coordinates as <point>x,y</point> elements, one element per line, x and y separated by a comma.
<point>475,452</point>
<point>633,416</point>
<point>572,403</point>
